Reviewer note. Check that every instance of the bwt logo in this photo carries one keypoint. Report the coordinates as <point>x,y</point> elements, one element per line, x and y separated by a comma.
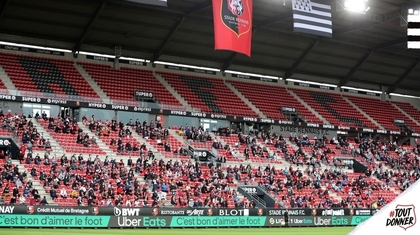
<point>403,216</point>
<point>126,211</point>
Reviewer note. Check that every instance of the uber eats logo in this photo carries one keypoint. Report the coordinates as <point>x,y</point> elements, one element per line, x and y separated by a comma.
<point>141,222</point>
<point>334,221</point>
<point>339,221</point>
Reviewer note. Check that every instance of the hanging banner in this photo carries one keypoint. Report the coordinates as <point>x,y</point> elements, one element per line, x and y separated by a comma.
<point>233,25</point>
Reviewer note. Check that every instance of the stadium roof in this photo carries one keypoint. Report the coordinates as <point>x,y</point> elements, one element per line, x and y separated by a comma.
<point>366,51</point>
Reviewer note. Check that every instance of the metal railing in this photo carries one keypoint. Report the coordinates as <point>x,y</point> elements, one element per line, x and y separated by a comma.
<point>258,200</point>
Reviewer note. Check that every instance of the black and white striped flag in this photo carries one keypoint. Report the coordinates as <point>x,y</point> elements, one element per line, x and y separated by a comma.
<point>413,29</point>
<point>312,17</point>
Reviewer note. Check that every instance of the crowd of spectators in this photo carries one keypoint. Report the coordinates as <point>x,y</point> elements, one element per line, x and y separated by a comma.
<point>390,162</point>
<point>183,183</point>
<point>15,187</point>
<point>96,182</point>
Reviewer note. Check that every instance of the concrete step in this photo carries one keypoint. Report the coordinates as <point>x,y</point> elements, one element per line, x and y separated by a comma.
<point>8,82</point>
<point>92,83</point>
<point>109,152</point>
<point>168,86</point>
<point>140,139</point>
<point>243,98</point>
<point>56,148</point>
<point>35,183</point>
<point>308,107</point>
<point>406,114</point>
<point>363,113</point>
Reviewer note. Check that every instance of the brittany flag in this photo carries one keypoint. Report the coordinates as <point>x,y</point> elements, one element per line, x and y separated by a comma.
<point>312,17</point>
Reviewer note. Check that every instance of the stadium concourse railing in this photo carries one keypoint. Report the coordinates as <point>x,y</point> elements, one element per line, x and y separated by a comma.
<point>18,216</point>
<point>143,103</point>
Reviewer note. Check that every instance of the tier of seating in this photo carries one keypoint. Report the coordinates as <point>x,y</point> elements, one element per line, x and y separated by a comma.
<point>14,185</point>
<point>300,190</point>
<point>116,136</point>
<point>383,113</point>
<point>67,139</point>
<point>334,108</point>
<point>409,109</point>
<point>120,85</point>
<point>208,95</point>
<point>3,87</point>
<point>270,99</point>
<point>46,75</point>
<point>85,182</point>
<point>391,167</point>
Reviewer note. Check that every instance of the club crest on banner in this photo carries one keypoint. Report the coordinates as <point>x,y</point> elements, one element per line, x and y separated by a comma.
<point>236,7</point>
<point>235,15</point>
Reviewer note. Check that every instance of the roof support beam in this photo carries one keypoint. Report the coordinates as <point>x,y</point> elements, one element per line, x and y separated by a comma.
<point>405,74</point>
<point>226,64</point>
<point>354,27</point>
<point>300,59</point>
<point>199,7</point>
<point>355,68</point>
<point>3,7</point>
<point>395,42</point>
<point>82,37</point>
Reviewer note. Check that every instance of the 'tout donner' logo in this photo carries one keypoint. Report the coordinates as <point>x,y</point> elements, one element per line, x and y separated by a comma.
<point>403,216</point>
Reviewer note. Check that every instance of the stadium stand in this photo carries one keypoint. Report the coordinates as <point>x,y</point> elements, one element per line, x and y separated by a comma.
<point>70,136</point>
<point>261,96</point>
<point>297,170</point>
<point>383,112</point>
<point>121,84</point>
<point>409,109</point>
<point>208,95</point>
<point>334,108</point>
<point>45,75</point>
<point>2,86</point>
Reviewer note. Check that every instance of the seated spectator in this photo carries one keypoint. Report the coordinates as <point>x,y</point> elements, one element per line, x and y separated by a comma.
<point>6,192</point>
<point>93,140</point>
<point>74,194</point>
<point>53,194</point>
<point>167,147</point>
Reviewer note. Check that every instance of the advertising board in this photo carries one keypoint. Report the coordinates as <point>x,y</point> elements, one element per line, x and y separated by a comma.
<point>124,217</point>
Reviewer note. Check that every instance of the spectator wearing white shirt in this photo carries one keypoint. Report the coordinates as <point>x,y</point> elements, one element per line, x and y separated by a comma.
<point>161,195</point>
<point>63,193</point>
<point>22,200</point>
<point>128,203</point>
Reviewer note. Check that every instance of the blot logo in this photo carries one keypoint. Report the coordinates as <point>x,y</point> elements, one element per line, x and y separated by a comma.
<point>403,216</point>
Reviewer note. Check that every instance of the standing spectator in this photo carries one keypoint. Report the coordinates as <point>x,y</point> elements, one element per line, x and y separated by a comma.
<point>44,201</point>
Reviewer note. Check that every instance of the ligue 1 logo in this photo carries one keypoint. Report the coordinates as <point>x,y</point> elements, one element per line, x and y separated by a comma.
<point>403,216</point>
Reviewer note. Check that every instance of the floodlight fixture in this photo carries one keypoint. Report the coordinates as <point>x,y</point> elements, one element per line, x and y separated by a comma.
<point>359,6</point>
